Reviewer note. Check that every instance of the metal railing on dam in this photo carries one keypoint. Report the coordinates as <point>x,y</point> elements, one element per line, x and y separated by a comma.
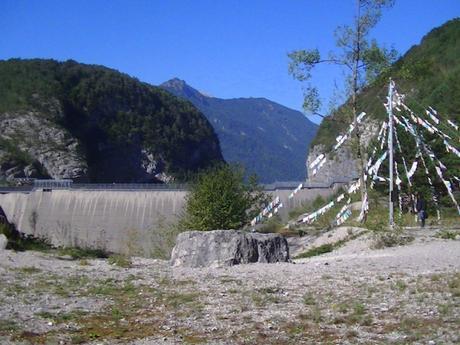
<point>99,187</point>
<point>130,186</point>
<point>49,186</point>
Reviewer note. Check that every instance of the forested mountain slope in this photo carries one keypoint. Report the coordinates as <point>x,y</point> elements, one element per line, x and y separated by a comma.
<point>92,123</point>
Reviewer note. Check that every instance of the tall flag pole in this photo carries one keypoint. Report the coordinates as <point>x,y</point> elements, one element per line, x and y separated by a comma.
<point>390,149</point>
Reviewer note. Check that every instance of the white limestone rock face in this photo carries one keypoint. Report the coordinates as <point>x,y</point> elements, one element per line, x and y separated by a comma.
<point>33,146</point>
<point>340,165</point>
<point>220,248</point>
<point>154,168</point>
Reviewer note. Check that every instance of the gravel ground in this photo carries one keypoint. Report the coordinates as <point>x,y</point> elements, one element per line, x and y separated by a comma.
<point>353,295</point>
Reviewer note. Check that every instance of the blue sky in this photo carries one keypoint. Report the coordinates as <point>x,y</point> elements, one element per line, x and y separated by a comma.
<point>225,48</point>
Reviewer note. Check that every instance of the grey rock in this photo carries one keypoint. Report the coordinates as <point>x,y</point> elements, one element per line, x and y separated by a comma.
<point>340,165</point>
<point>220,248</point>
<point>3,242</point>
<point>43,144</point>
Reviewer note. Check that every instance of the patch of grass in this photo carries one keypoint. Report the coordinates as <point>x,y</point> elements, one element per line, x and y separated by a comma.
<point>7,326</point>
<point>435,277</point>
<point>447,235</point>
<point>315,314</point>
<point>328,247</point>
<point>359,309</point>
<point>63,317</point>
<point>264,297</point>
<point>401,285</point>
<point>355,313</point>
<point>454,285</point>
<point>31,337</point>
<point>69,286</point>
<point>109,287</point>
<point>30,270</point>
<point>444,309</point>
<point>82,253</point>
<point>194,339</point>
<point>390,238</point>
<point>325,248</point>
<point>343,307</point>
<point>77,339</point>
<point>309,299</point>
<point>181,299</point>
<point>229,280</point>
<point>120,261</point>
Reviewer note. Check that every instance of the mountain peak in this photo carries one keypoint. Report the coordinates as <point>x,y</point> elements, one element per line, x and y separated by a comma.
<point>180,88</point>
<point>175,83</point>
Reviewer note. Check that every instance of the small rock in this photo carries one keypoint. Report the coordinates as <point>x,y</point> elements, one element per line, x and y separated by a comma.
<point>3,242</point>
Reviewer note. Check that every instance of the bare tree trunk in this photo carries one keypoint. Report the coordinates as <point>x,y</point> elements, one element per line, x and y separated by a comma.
<point>355,87</point>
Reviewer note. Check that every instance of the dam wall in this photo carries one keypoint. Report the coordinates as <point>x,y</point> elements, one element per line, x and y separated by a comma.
<point>129,222</point>
<point>134,222</point>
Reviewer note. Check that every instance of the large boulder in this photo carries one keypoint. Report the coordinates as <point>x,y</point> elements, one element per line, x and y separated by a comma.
<point>227,248</point>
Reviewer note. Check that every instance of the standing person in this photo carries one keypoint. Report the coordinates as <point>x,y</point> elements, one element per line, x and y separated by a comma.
<point>421,209</point>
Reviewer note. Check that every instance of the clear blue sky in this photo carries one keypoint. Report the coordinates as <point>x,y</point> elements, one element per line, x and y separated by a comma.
<point>226,48</point>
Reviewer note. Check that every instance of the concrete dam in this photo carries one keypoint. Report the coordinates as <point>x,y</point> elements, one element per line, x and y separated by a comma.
<point>132,222</point>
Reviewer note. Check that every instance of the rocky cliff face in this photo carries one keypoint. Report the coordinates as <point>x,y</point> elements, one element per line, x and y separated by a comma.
<point>91,123</point>
<point>35,147</point>
<point>340,165</point>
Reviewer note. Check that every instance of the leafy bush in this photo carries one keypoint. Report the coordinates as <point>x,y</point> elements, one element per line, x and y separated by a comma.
<point>220,198</point>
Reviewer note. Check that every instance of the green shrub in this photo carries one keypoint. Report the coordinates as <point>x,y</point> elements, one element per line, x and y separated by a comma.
<point>220,198</point>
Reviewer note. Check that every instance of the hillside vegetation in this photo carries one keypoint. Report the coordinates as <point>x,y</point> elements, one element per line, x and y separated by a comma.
<point>428,74</point>
<point>120,128</point>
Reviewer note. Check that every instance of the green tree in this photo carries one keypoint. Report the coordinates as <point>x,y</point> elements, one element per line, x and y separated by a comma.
<point>362,60</point>
<point>220,198</point>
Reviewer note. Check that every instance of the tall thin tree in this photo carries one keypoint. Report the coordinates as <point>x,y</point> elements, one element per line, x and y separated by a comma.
<point>364,60</point>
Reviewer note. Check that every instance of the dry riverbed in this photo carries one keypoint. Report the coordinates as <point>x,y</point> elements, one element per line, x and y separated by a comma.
<point>353,295</point>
